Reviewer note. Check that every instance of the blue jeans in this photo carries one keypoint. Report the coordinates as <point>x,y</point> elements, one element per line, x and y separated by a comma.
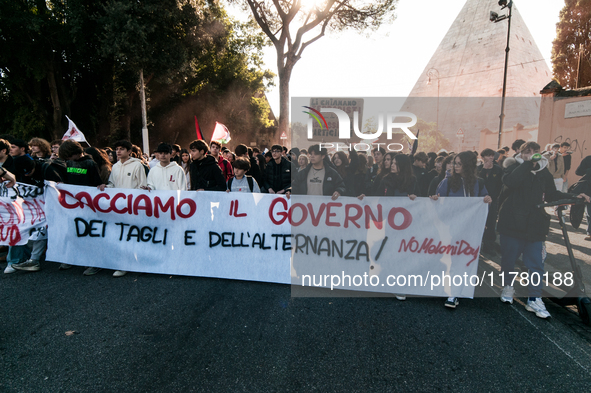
<point>511,249</point>
<point>17,254</point>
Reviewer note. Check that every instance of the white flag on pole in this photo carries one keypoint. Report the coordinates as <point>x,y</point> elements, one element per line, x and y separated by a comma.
<point>73,132</point>
<point>221,133</point>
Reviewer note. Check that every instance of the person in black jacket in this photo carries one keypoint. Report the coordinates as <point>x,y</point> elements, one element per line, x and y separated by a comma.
<point>73,167</point>
<point>419,168</point>
<point>493,181</point>
<point>522,225</point>
<point>206,175</point>
<point>401,180</point>
<point>347,168</point>
<point>444,169</point>
<point>318,178</point>
<point>277,173</point>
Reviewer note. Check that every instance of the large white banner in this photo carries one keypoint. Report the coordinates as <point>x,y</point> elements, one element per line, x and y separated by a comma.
<point>395,245</point>
<point>22,214</point>
<point>391,245</point>
<point>210,234</point>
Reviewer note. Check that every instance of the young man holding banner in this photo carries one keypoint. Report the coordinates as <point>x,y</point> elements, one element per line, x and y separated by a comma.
<point>317,178</point>
<point>206,175</point>
<point>167,175</point>
<point>277,172</point>
<point>128,172</point>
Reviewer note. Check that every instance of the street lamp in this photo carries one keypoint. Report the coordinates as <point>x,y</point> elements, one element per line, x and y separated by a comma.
<point>494,17</point>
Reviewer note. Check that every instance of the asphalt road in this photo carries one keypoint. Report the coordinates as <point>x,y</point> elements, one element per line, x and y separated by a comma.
<point>158,333</point>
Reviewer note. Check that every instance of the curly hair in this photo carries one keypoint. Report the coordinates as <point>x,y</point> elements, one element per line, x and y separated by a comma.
<point>468,173</point>
<point>43,145</point>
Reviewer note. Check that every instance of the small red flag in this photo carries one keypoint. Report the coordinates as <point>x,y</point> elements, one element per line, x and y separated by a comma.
<point>198,130</point>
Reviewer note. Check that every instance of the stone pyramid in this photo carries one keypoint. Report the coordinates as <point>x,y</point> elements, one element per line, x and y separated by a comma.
<point>461,86</point>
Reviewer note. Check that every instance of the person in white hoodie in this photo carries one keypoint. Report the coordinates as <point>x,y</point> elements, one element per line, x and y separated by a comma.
<point>166,175</point>
<point>128,172</point>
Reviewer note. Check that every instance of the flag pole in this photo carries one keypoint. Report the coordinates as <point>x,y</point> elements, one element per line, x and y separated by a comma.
<point>145,139</point>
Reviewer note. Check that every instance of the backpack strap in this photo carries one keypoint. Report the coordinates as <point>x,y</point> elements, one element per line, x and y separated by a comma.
<point>250,182</point>
<point>248,179</point>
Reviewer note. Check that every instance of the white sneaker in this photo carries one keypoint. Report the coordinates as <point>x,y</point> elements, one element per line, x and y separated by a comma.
<point>9,269</point>
<point>507,294</point>
<point>538,307</point>
<point>451,302</point>
<point>400,297</point>
<point>119,273</point>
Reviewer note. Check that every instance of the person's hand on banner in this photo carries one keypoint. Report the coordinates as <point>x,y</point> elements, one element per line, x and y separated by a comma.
<point>201,189</point>
<point>8,177</point>
<point>271,191</point>
<point>360,197</point>
<point>280,192</point>
<point>412,197</point>
<point>102,187</point>
<point>288,194</point>
<point>146,188</point>
<point>434,197</point>
<point>487,199</point>
<point>335,195</point>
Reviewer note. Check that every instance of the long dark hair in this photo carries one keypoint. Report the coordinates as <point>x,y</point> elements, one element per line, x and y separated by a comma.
<point>468,160</point>
<point>344,162</point>
<point>404,178</point>
<point>188,164</point>
<point>448,160</point>
<point>382,169</point>
<point>99,156</point>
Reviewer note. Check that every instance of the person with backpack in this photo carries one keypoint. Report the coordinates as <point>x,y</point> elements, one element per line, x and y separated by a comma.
<point>242,182</point>
<point>462,183</point>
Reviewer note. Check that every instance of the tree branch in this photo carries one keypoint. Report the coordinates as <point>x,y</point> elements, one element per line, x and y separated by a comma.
<point>325,16</point>
<point>262,21</point>
<point>280,11</point>
<point>305,44</point>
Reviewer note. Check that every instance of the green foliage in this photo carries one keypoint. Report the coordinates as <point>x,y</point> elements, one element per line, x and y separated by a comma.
<point>82,58</point>
<point>430,139</point>
<point>573,31</point>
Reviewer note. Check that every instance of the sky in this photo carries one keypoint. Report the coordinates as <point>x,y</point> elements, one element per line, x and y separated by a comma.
<point>392,58</point>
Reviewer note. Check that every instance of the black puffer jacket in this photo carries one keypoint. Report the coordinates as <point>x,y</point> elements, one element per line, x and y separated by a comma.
<point>277,176</point>
<point>332,182</point>
<point>207,175</point>
<point>522,191</point>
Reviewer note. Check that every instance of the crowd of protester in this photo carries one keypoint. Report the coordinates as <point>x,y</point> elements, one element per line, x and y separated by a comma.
<point>512,183</point>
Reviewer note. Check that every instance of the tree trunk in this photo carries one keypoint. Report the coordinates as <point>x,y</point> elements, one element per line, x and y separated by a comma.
<point>284,77</point>
<point>126,118</point>
<point>55,100</point>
